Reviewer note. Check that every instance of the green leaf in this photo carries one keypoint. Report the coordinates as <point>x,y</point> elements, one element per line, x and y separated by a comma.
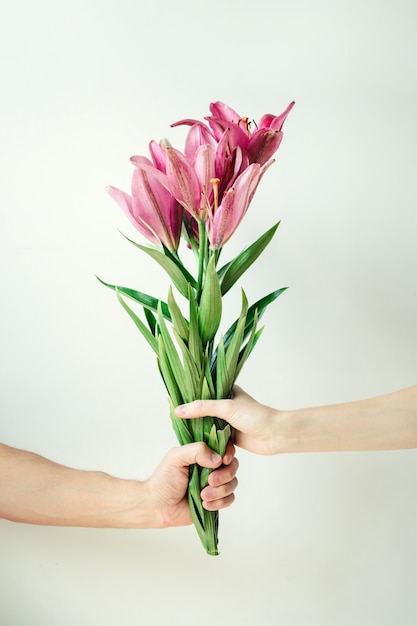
<point>233,349</point>
<point>181,427</point>
<point>244,260</point>
<point>216,438</point>
<point>147,301</point>
<point>209,378</point>
<point>211,438</point>
<point>151,319</point>
<point>223,437</point>
<point>140,325</point>
<point>221,372</point>
<point>259,308</point>
<point>206,393</point>
<point>174,360</point>
<point>167,374</point>
<point>174,270</point>
<point>210,309</point>
<point>189,277</point>
<point>232,356</point>
<point>192,373</point>
<point>195,504</point>
<point>197,428</point>
<point>256,338</point>
<point>228,369</point>
<point>222,271</point>
<point>181,431</point>
<point>244,354</point>
<point>178,320</point>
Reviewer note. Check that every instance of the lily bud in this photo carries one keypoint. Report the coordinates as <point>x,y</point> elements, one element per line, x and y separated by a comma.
<point>210,309</point>
<point>263,144</point>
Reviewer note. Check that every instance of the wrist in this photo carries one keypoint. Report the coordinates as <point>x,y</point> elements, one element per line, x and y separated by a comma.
<point>317,429</point>
<point>119,503</point>
<point>285,436</point>
<point>133,505</point>
<point>151,514</point>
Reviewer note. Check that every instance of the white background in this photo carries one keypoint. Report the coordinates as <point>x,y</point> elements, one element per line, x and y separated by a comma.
<point>319,539</point>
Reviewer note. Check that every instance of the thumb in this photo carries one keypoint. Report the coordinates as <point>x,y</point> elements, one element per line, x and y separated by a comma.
<point>201,408</point>
<point>200,453</point>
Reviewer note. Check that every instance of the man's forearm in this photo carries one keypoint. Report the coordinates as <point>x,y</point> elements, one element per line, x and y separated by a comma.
<point>35,490</point>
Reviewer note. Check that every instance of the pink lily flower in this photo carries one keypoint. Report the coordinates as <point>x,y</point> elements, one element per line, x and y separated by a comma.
<point>151,208</point>
<point>261,144</point>
<point>234,204</point>
<point>229,159</point>
<point>188,183</point>
<point>230,131</point>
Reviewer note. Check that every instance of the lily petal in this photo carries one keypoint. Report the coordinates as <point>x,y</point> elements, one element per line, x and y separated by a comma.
<point>156,208</point>
<point>186,122</point>
<point>263,144</point>
<point>275,122</point>
<point>145,164</point>
<point>197,136</point>
<point>183,182</point>
<point>125,203</point>
<point>223,111</point>
<point>204,168</point>
<point>237,135</point>
<point>234,205</point>
<point>159,156</point>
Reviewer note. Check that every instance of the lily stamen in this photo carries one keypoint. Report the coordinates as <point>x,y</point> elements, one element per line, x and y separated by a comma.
<point>246,124</point>
<point>215,182</point>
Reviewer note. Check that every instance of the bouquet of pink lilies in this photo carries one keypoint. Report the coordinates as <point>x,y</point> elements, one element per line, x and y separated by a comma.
<point>200,195</point>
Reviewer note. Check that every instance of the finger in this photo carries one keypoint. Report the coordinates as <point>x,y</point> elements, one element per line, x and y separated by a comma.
<point>200,408</point>
<point>224,474</point>
<point>200,453</point>
<point>229,453</point>
<point>217,494</point>
<point>216,505</point>
<point>224,409</point>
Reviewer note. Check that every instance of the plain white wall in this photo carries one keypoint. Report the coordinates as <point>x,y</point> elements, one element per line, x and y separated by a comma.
<point>312,540</point>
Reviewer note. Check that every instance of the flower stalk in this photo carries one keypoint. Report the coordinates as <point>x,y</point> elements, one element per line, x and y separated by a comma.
<point>202,237</point>
<point>201,195</point>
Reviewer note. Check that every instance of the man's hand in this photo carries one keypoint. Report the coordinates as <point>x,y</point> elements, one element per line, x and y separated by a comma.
<point>167,487</point>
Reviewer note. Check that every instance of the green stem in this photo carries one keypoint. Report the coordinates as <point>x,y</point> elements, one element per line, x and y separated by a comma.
<point>201,258</point>
<point>217,253</point>
<point>206,522</point>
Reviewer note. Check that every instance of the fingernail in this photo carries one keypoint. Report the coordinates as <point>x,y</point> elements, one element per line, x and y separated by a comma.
<point>216,457</point>
<point>180,410</point>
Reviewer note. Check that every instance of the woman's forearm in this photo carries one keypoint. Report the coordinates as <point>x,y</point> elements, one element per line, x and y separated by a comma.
<point>386,422</point>
<point>35,490</point>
